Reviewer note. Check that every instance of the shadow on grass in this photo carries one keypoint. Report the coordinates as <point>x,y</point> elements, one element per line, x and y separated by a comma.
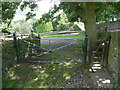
<point>28,75</point>
<point>50,75</point>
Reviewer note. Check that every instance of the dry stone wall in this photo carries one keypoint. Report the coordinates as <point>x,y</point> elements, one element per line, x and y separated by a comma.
<point>109,26</point>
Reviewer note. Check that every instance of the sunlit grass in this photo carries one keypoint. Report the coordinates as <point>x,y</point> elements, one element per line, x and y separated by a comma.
<point>44,45</point>
<point>63,35</point>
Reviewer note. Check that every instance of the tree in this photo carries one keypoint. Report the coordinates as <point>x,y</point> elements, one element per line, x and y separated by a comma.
<point>90,22</point>
<point>22,28</point>
<point>49,17</point>
<point>60,22</point>
<point>90,13</point>
<point>9,10</point>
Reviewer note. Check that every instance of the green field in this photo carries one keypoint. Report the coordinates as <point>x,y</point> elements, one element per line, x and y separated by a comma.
<point>62,35</point>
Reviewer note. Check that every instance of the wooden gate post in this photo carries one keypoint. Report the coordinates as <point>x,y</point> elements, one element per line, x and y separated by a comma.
<point>106,52</point>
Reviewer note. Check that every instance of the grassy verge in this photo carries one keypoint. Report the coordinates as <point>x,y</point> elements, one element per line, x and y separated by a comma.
<point>62,35</point>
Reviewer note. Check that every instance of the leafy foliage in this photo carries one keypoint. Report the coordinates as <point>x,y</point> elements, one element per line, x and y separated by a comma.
<point>22,27</point>
<point>104,11</point>
<point>107,11</point>
<point>9,10</point>
<point>61,22</point>
<point>73,10</point>
<point>45,27</point>
<point>55,22</point>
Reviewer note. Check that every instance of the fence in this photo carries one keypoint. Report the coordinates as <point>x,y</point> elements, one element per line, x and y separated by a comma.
<point>43,50</point>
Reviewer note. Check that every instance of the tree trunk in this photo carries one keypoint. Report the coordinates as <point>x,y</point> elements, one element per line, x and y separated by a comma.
<point>90,22</point>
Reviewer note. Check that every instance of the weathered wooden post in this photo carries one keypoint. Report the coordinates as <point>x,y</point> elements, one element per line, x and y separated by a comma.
<point>16,47</point>
<point>106,52</point>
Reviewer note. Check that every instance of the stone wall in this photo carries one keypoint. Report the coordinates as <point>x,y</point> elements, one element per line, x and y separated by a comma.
<point>113,51</point>
<point>108,26</point>
<point>113,29</point>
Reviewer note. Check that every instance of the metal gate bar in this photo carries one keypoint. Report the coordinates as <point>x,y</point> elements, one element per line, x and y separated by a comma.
<point>45,62</point>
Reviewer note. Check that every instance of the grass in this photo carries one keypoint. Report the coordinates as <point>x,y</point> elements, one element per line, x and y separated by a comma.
<point>44,45</point>
<point>79,48</point>
<point>40,75</point>
<point>7,60</point>
<point>80,44</point>
<point>62,35</point>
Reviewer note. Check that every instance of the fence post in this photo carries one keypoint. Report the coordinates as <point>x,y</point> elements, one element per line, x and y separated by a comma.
<point>85,48</point>
<point>16,47</point>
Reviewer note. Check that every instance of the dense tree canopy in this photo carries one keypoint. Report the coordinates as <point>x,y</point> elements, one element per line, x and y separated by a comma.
<point>104,11</point>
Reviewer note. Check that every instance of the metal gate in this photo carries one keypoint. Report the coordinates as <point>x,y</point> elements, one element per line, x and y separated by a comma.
<point>45,50</point>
